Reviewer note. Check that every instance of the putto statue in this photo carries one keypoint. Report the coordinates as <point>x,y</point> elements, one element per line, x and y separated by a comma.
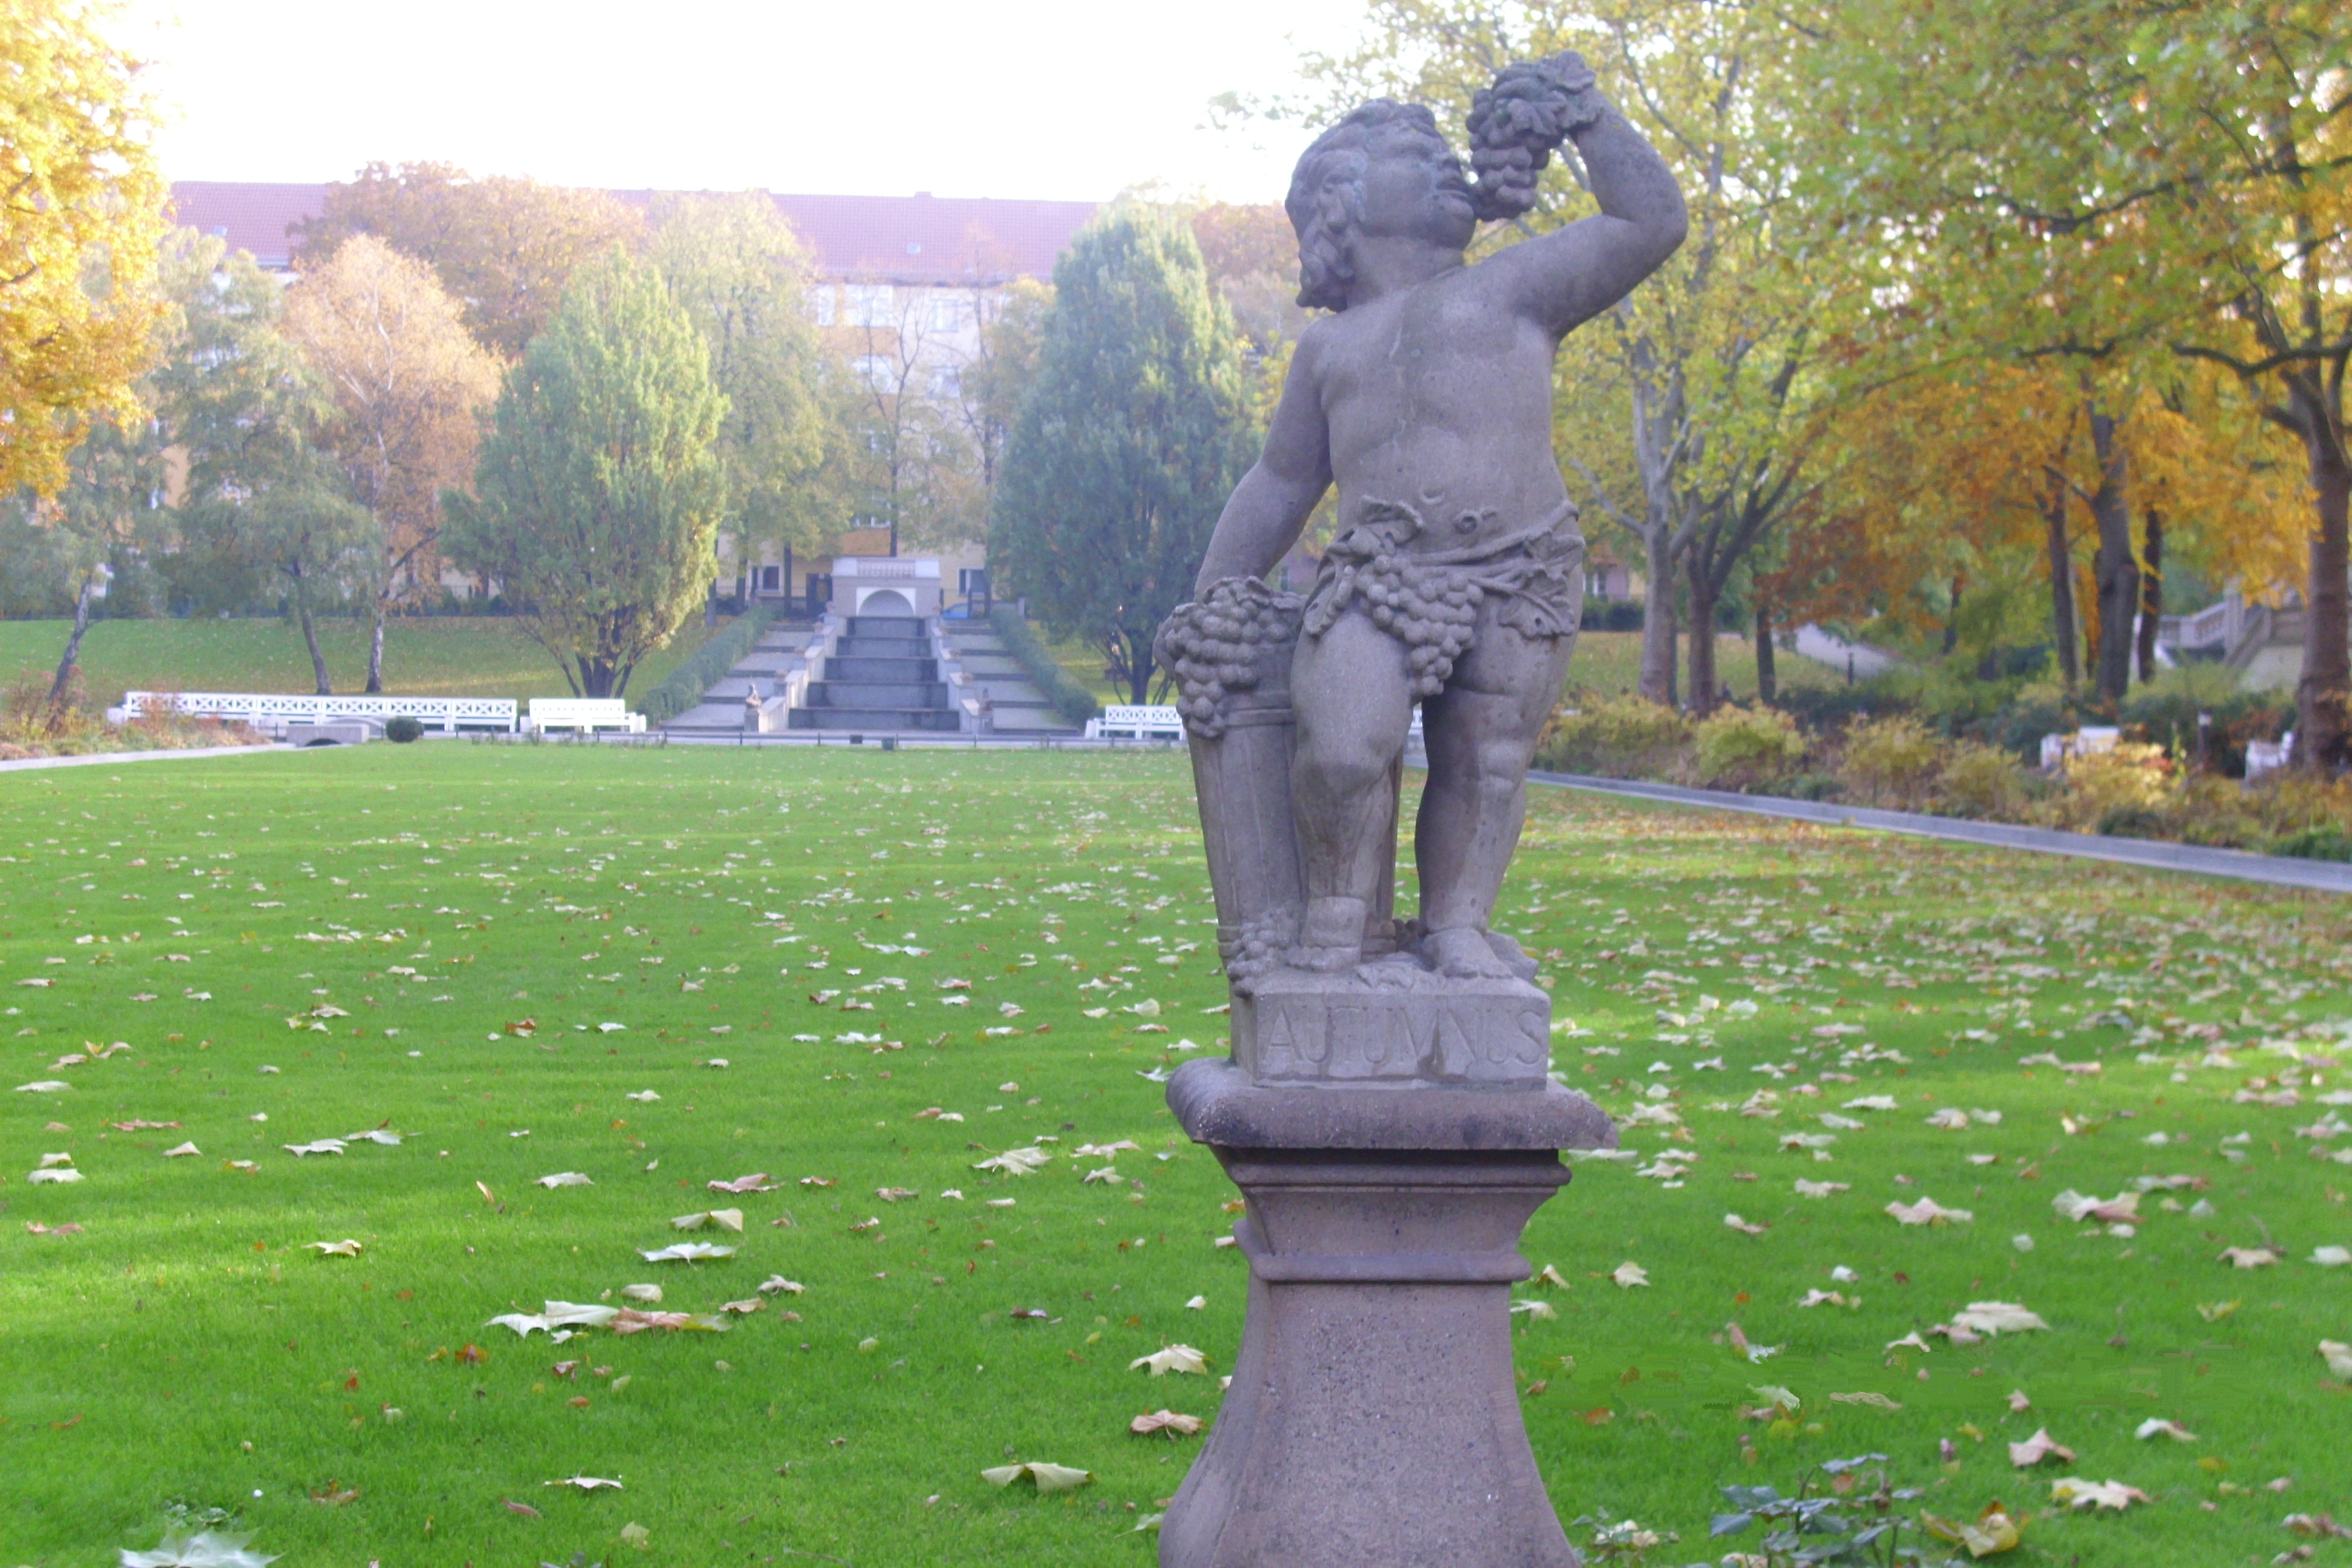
<point>1387,1112</point>
<point>1455,579</point>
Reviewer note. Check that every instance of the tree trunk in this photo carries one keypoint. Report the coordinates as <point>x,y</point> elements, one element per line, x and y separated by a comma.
<point>2323,725</point>
<point>57,687</point>
<point>2062,584</point>
<point>595,678</point>
<point>1768,673</point>
<point>310,635</point>
<point>2151,591</point>
<point>1658,650</point>
<point>2115,568</point>
<point>1703,688</point>
<point>1952,619</point>
<point>375,653</point>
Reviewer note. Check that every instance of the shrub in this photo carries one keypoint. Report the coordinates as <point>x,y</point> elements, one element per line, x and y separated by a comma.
<point>2320,841</point>
<point>1616,737</point>
<point>402,728</point>
<point>1980,781</point>
<point>1739,747</point>
<point>703,668</point>
<point>1814,787</point>
<point>1074,702</point>
<point>2128,782</point>
<point>1892,759</point>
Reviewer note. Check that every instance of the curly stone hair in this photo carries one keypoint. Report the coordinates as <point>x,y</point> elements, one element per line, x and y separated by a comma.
<point>1326,190</point>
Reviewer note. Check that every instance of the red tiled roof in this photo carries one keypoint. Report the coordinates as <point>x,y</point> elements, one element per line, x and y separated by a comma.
<point>920,239</point>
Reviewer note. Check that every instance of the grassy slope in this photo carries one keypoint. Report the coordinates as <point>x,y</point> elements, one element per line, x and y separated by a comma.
<point>451,657</point>
<point>1606,663</point>
<point>139,1360</point>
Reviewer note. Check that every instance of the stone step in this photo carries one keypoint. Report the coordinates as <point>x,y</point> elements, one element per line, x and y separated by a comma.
<point>874,721</point>
<point>886,626</point>
<point>877,694</point>
<point>859,667</point>
<point>882,648</point>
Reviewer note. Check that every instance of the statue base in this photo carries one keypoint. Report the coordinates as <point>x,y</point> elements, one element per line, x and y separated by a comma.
<point>1373,1420</point>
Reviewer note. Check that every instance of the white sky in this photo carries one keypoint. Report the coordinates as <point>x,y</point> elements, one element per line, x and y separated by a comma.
<point>1071,100</point>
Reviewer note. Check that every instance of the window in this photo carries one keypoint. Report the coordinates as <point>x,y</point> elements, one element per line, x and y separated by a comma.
<point>870,305</point>
<point>875,371</point>
<point>947,382</point>
<point>820,304</point>
<point>772,578</point>
<point>947,313</point>
<point>972,582</point>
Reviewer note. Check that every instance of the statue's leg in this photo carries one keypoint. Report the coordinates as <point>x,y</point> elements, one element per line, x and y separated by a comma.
<point>1481,734</point>
<point>1354,705</point>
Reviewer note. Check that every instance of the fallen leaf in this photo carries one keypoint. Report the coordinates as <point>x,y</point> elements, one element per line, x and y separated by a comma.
<point>1996,1317</point>
<point>1049,1477</point>
<point>586,1483</point>
<point>345,1248</point>
<point>1174,1358</point>
<point>1628,1275</point>
<point>2156,1427</point>
<point>1167,1421</point>
<point>2038,1448</point>
<point>1927,1211</point>
<point>777,1282</point>
<point>2247,1256</point>
<point>181,1151</point>
<point>566,1179</point>
<point>685,1252</point>
<point>725,1219</point>
<point>1875,1401</point>
<point>2076,1493</point>
<point>205,1549</point>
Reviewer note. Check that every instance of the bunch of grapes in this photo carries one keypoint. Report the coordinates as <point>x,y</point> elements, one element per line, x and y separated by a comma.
<point>1430,612</point>
<point>1214,646</point>
<point>1516,124</point>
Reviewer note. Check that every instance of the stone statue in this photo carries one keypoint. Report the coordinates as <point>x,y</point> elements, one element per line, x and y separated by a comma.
<point>1387,1112</point>
<point>1426,398</point>
<point>1455,579</point>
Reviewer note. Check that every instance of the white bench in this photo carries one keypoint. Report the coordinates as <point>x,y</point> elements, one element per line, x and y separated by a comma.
<point>271,712</point>
<point>2269,756</point>
<point>1141,721</point>
<point>586,714</point>
<point>2087,741</point>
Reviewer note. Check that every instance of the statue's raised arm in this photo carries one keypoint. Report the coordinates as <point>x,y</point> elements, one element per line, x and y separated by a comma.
<point>1572,274</point>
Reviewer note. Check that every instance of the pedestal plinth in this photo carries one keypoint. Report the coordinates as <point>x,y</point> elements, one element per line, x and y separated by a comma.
<point>1373,1420</point>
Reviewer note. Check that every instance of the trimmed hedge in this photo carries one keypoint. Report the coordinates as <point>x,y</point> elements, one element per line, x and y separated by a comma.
<point>702,671</point>
<point>1072,701</point>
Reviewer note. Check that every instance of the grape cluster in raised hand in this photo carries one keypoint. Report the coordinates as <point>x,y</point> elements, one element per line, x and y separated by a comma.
<point>1215,645</point>
<point>1516,124</point>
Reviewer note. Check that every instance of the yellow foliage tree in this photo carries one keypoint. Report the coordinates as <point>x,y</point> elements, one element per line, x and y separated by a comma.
<point>82,207</point>
<point>392,350</point>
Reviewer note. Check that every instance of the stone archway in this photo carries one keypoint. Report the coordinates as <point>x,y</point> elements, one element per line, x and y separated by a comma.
<point>884,602</point>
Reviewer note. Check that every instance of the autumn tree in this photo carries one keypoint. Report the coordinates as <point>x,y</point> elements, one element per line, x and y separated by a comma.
<point>1134,434</point>
<point>505,247</point>
<point>2120,183</point>
<point>599,489</point>
<point>405,378</point>
<point>80,214</point>
<point>264,501</point>
<point>735,266</point>
<point>913,465</point>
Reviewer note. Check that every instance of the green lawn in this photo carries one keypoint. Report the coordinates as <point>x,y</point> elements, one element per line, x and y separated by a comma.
<point>1606,663</point>
<point>181,1352</point>
<point>440,656</point>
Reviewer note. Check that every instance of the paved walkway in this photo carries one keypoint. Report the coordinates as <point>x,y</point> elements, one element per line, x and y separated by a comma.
<point>97,759</point>
<point>2277,870</point>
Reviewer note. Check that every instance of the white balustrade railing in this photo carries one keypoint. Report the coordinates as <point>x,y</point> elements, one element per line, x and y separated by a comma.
<point>272,711</point>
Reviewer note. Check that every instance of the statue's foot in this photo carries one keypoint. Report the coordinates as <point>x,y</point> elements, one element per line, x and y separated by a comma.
<point>1463,954</point>
<point>1514,957</point>
<point>1324,960</point>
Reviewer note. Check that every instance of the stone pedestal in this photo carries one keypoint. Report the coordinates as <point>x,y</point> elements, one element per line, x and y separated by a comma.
<point>1373,1420</point>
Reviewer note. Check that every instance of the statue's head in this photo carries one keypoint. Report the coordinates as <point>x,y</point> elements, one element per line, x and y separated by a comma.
<point>1383,170</point>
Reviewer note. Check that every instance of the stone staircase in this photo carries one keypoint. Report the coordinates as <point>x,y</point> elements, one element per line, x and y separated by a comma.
<point>1021,708</point>
<point>881,678</point>
<point>777,655</point>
